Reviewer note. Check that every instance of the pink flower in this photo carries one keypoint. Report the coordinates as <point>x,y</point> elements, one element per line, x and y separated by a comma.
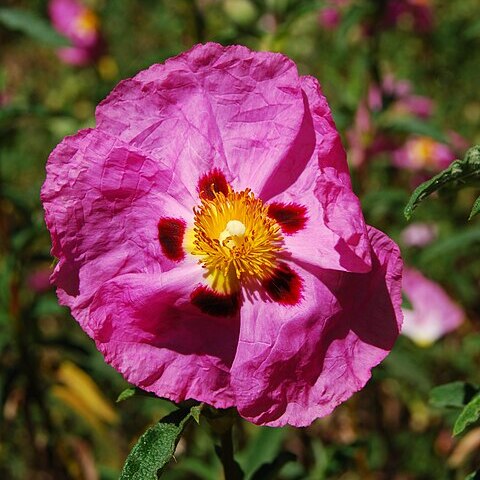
<point>433,313</point>
<point>329,18</point>
<point>419,234</point>
<point>39,280</point>
<point>364,139</point>
<point>416,13</point>
<point>210,243</point>
<point>423,153</point>
<point>81,26</point>
<point>402,100</point>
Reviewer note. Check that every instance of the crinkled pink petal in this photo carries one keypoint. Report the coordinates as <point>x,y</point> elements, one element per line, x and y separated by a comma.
<point>335,234</point>
<point>297,363</point>
<point>102,201</point>
<point>433,313</point>
<point>336,230</point>
<point>230,108</point>
<point>148,330</point>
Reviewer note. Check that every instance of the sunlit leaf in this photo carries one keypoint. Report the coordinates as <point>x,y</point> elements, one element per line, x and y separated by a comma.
<point>156,447</point>
<point>33,26</point>
<point>470,414</point>
<point>87,392</point>
<point>460,171</point>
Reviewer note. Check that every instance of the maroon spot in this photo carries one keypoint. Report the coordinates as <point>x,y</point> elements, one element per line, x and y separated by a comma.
<point>213,303</point>
<point>291,217</point>
<point>284,286</point>
<point>211,182</point>
<point>170,233</point>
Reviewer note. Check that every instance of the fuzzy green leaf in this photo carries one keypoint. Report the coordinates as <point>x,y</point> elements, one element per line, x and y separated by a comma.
<point>461,171</point>
<point>475,208</point>
<point>156,447</point>
<point>127,393</point>
<point>33,26</point>
<point>470,414</point>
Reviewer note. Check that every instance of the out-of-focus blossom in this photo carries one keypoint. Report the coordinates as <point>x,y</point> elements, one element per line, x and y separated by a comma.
<point>423,153</point>
<point>81,26</point>
<point>416,13</point>
<point>433,313</point>
<point>419,234</point>
<point>329,18</point>
<point>39,280</point>
<point>393,98</point>
<point>330,15</point>
<point>364,139</point>
<point>210,243</point>
<point>5,99</point>
<point>397,96</point>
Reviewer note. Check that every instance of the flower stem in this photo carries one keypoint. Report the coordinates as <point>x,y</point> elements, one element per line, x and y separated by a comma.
<point>231,469</point>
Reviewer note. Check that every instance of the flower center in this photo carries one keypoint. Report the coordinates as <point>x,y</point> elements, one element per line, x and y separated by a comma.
<point>235,237</point>
<point>87,23</point>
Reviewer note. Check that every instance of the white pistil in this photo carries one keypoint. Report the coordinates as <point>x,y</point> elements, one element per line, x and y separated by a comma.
<point>233,234</point>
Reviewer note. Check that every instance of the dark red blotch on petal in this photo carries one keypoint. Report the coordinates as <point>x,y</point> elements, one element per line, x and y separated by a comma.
<point>284,286</point>
<point>211,182</point>
<point>290,216</point>
<point>170,233</point>
<point>213,303</point>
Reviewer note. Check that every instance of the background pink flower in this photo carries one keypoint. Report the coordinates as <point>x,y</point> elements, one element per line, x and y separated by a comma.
<point>210,243</point>
<point>418,13</point>
<point>419,234</point>
<point>81,26</point>
<point>433,313</point>
<point>423,153</point>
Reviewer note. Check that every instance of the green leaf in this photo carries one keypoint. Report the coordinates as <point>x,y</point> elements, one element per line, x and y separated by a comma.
<point>264,445</point>
<point>455,394</point>
<point>453,246</point>
<point>475,208</point>
<point>156,447</point>
<point>33,26</point>
<point>412,125</point>
<point>270,471</point>
<point>470,414</point>
<point>196,411</point>
<point>462,171</point>
<point>473,476</point>
<point>127,393</point>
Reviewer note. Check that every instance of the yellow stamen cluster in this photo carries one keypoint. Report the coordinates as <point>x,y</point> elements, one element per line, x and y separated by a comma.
<point>233,236</point>
<point>88,22</point>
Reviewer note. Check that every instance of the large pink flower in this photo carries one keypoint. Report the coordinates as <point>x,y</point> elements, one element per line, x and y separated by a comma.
<point>210,243</point>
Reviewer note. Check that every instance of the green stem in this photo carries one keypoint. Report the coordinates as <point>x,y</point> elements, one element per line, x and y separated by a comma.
<point>231,469</point>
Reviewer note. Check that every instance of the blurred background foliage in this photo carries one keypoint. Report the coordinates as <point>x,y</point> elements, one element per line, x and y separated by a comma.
<point>58,417</point>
